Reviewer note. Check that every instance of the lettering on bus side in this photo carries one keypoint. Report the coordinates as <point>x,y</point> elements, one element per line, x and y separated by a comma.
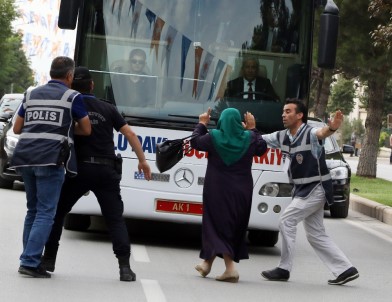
<point>271,157</point>
<point>148,143</point>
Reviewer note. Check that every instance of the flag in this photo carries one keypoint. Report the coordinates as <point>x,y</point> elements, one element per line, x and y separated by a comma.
<point>135,18</point>
<point>170,36</point>
<point>198,54</point>
<point>215,79</point>
<point>131,5</point>
<point>151,17</point>
<point>156,36</point>
<point>204,72</point>
<point>120,4</point>
<point>186,43</point>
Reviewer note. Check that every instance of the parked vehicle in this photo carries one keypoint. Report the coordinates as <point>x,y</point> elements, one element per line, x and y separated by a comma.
<point>348,149</point>
<point>340,173</point>
<point>8,105</point>
<point>8,141</point>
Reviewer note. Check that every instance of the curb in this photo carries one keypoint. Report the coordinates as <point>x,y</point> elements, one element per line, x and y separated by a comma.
<point>371,208</point>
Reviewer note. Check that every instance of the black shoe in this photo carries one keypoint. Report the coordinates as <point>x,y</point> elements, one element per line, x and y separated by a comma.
<point>276,274</point>
<point>347,276</point>
<point>126,274</point>
<point>36,272</point>
<point>48,263</point>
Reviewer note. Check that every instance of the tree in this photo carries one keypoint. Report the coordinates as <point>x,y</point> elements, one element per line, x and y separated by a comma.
<point>357,56</point>
<point>342,97</point>
<point>7,15</point>
<point>15,70</point>
<point>382,36</point>
<point>387,107</point>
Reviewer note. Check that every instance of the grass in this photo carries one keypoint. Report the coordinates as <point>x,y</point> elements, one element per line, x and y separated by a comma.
<point>376,189</point>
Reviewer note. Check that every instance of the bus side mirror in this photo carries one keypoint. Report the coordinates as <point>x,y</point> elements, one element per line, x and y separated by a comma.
<point>328,36</point>
<point>68,14</point>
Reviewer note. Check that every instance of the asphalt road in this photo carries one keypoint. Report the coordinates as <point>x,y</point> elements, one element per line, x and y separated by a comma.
<point>164,256</point>
<point>384,168</point>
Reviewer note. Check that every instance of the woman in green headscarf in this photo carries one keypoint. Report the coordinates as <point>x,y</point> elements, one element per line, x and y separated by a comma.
<point>228,188</point>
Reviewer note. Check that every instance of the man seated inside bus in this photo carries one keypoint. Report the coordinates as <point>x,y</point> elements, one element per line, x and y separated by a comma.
<point>134,87</point>
<point>250,85</point>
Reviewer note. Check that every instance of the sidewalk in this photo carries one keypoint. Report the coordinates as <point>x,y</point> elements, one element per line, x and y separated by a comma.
<point>371,208</point>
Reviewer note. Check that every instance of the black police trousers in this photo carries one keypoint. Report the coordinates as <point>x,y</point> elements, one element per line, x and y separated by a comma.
<point>104,182</point>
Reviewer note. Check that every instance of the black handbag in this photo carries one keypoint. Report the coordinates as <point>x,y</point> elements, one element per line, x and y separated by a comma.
<point>170,152</point>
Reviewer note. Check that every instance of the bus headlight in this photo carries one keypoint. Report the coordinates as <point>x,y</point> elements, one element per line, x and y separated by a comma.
<point>339,173</point>
<point>262,207</point>
<point>269,189</point>
<point>276,190</point>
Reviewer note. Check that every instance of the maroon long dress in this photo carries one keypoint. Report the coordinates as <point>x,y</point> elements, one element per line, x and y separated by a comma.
<point>227,198</point>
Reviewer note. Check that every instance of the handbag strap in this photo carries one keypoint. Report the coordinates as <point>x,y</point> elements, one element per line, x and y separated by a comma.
<point>191,137</point>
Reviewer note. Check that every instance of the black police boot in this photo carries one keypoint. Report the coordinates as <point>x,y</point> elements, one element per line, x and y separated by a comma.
<point>48,259</point>
<point>126,274</point>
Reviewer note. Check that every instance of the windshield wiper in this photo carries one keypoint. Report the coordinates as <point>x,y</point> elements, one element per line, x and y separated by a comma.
<point>214,119</point>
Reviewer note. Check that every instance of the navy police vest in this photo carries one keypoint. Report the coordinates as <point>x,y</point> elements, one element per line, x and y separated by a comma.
<point>306,171</point>
<point>48,128</point>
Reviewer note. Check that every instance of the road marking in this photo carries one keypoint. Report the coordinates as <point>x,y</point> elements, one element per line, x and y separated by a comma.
<point>152,291</point>
<point>371,231</point>
<point>139,253</point>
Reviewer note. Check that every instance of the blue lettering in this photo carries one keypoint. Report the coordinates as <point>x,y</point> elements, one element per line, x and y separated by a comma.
<point>122,143</point>
<point>158,140</point>
<point>148,144</point>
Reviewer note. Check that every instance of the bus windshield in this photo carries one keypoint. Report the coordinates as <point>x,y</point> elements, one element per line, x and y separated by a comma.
<point>166,62</point>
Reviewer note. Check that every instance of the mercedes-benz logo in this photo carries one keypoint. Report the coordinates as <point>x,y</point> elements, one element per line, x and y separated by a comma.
<point>183,178</point>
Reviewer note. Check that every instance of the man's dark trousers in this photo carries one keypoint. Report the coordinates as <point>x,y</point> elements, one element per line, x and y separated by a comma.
<point>104,182</point>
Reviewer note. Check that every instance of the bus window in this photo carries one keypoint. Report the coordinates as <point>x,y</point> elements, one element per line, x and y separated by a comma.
<point>189,60</point>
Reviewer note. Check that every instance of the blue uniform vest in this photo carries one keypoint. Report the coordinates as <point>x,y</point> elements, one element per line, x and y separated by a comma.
<point>306,171</point>
<point>48,126</point>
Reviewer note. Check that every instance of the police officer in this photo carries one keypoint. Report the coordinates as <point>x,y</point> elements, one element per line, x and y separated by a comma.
<point>99,171</point>
<point>303,147</point>
<point>45,124</point>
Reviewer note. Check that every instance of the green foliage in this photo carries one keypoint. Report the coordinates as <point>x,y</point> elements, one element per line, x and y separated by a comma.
<point>358,127</point>
<point>15,71</point>
<point>387,109</point>
<point>345,131</point>
<point>342,96</point>
<point>348,128</point>
<point>356,54</point>
<point>7,15</point>
<point>384,139</point>
<point>382,11</point>
<point>379,190</point>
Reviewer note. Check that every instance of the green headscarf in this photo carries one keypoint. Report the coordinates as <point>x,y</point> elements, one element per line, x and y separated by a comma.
<point>230,139</point>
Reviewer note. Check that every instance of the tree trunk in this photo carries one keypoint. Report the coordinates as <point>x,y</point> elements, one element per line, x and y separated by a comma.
<point>367,165</point>
<point>321,104</point>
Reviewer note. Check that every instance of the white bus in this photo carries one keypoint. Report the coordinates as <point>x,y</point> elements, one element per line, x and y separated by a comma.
<point>193,48</point>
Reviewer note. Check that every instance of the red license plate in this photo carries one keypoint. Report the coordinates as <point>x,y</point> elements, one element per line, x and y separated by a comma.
<point>179,207</point>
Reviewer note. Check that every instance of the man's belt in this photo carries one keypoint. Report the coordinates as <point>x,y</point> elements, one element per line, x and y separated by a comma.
<point>97,160</point>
